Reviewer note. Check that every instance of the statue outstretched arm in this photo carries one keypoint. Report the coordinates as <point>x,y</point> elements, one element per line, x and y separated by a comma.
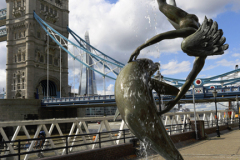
<point>180,33</point>
<point>197,67</point>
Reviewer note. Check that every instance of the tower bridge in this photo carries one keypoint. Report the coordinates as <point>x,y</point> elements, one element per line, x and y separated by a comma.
<point>45,58</point>
<point>37,65</point>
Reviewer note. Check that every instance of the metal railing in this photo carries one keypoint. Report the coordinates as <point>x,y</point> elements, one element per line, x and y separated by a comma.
<point>178,128</point>
<point>175,123</point>
<point>68,143</point>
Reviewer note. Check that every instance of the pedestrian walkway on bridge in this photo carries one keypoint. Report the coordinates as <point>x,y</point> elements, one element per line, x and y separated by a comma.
<point>225,147</point>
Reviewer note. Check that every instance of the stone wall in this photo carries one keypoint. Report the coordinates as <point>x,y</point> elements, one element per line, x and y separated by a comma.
<point>16,109</point>
<point>107,153</point>
<point>27,109</point>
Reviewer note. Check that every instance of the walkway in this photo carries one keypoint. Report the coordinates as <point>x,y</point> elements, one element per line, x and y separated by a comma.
<point>225,147</point>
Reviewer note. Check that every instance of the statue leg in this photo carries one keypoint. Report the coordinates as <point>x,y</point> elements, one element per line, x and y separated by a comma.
<point>172,12</point>
<point>172,2</point>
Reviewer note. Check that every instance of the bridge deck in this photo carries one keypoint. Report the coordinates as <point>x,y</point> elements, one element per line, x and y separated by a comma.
<point>225,147</point>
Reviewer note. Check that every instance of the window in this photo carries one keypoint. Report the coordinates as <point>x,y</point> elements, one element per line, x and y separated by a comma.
<point>22,83</point>
<point>55,12</point>
<point>23,57</point>
<point>19,35</point>
<point>23,73</point>
<point>18,77</point>
<point>19,4</point>
<point>24,34</point>
<point>46,8</point>
<point>42,7</point>
<point>15,35</point>
<point>50,59</point>
<point>19,57</point>
<point>38,34</point>
<point>15,58</point>
<point>18,86</point>
<point>58,2</point>
<point>51,10</point>
<point>56,62</point>
<point>41,58</point>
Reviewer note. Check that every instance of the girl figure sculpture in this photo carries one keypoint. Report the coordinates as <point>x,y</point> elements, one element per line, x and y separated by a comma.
<point>134,85</point>
<point>199,41</point>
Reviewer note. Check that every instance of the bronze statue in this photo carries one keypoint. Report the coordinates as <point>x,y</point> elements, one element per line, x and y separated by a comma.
<point>133,87</point>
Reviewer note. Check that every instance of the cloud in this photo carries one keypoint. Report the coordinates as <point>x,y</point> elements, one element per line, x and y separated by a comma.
<point>236,55</point>
<point>3,4</point>
<point>109,90</point>
<point>173,67</point>
<point>210,67</point>
<point>227,63</point>
<point>2,80</point>
<point>117,29</point>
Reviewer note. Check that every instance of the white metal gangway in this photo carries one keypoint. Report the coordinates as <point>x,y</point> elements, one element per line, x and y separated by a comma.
<point>80,124</point>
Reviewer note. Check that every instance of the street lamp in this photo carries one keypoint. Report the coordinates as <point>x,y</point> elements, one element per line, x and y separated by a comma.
<point>215,95</point>
<point>193,92</point>
<point>238,112</point>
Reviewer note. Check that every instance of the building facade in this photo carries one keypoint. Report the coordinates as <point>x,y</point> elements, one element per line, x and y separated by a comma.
<point>87,84</point>
<point>27,49</point>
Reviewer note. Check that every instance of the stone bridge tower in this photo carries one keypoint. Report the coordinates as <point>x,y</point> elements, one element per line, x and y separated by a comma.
<point>27,49</point>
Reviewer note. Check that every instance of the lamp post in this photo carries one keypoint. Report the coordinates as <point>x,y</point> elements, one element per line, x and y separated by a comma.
<point>215,95</point>
<point>193,92</point>
<point>238,112</point>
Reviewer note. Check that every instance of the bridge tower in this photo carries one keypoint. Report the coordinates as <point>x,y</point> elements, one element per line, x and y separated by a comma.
<point>27,49</point>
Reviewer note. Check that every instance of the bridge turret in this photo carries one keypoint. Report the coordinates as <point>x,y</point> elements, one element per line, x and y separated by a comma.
<point>27,49</point>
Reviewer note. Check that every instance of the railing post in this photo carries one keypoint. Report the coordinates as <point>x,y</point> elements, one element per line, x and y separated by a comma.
<point>19,147</point>
<point>124,135</point>
<point>66,144</point>
<point>99,135</point>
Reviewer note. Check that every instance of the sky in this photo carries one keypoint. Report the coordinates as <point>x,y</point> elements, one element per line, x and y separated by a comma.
<point>118,27</point>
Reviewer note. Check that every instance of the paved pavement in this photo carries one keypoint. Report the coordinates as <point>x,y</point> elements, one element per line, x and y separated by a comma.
<point>225,147</point>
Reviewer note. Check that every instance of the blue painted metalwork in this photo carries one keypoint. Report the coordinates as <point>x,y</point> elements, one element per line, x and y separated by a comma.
<point>46,27</point>
<point>75,36</point>
<point>3,32</point>
<point>201,93</point>
<point>3,13</point>
<point>82,43</point>
<point>209,80</point>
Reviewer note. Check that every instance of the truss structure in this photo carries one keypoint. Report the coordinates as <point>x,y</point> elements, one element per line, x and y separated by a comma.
<point>101,62</point>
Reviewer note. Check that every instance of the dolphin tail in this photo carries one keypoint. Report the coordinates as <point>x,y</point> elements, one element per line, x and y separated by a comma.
<point>163,88</point>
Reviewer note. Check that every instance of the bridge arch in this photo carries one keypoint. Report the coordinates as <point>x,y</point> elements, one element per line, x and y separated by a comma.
<point>54,87</point>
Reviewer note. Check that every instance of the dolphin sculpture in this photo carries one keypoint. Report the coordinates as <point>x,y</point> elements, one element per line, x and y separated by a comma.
<point>133,95</point>
<point>133,86</point>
